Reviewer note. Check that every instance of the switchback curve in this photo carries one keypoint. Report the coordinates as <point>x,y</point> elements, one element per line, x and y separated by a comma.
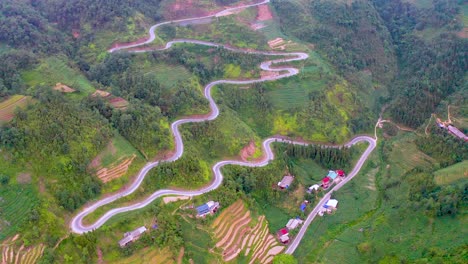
<point>77,226</point>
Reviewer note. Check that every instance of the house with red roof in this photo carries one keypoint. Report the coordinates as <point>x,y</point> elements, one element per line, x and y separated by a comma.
<point>326,182</point>
<point>283,235</point>
<point>340,173</point>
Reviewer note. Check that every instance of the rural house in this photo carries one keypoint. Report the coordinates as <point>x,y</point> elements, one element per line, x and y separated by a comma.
<point>293,223</point>
<point>209,208</point>
<point>132,236</point>
<point>325,182</point>
<point>314,187</point>
<point>286,182</point>
<point>456,132</point>
<point>340,173</point>
<point>283,235</point>
<point>332,175</point>
<point>329,207</point>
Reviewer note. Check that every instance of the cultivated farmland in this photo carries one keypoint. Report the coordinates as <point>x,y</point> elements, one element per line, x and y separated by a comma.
<point>15,203</point>
<point>238,234</point>
<point>115,170</point>
<point>13,253</point>
<point>7,108</point>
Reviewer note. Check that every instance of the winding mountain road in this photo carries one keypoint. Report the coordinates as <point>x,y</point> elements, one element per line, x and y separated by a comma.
<point>77,226</point>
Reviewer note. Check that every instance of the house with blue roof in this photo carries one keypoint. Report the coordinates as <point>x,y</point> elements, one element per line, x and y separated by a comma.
<point>209,208</point>
<point>332,175</point>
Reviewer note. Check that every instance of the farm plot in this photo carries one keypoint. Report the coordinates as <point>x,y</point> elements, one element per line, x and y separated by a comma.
<point>237,234</point>
<point>8,107</point>
<point>15,203</point>
<point>118,103</point>
<point>13,253</point>
<point>115,160</point>
<point>115,170</point>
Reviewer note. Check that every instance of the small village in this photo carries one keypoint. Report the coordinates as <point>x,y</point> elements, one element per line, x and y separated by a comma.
<point>283,235</point>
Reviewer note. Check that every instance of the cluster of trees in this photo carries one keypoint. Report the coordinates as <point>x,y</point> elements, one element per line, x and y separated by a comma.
<point>429,70</point>
<point>332,158</point>
<point>186,171</point>
<point>99,13</point>
<point>13,62</point>
<point>443,147</point>
<point>435,200</point>
<point>21,25</point>
<point>59,137</point>
<point>337,29</point>
<point>167,235</point>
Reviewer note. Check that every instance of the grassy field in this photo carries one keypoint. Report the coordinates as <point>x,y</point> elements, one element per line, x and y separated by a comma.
<point>198,242</point>
<point>166,74</point>
<point>406,156</point>
<point>117,149</point>
<point>8,107</point>
<point>451,174</point>
<point>56,70</point>
<point>16,201</point>
<point>375,220</point>
<point>356,203</point>
<point>148,255</point>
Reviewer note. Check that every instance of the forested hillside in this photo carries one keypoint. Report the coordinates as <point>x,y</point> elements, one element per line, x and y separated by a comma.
<point>70,112</point>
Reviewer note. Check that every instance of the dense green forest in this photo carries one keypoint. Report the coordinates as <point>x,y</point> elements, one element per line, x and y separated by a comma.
<point>403,57</point>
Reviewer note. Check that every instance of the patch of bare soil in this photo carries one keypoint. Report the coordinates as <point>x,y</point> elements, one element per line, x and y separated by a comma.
<point>181,255</point>
<point>63,88</point>
<point>100,93</point>
<point>123,44</point>
<point>264,13</point>
<point>170,199</point>
<point>23,178</point>
<point>463,33</point>
<point>99,253</point>
<point>76,33</point>
<point>268,74</point>
<point>248,151</point>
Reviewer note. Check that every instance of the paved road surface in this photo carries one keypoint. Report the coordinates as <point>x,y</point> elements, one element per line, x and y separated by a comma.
<point>372,144</point>
<point>77,225</point>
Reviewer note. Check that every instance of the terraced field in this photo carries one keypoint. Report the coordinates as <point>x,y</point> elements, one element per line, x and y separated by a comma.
<point>115,170</point>
<point>15,203</point>
<point>237,233</point>
<point>12,253</point>
<point>7,108</point>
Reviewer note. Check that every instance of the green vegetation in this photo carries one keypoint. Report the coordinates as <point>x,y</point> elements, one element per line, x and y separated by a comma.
<point>452,173</point>
<point>119,148</point>
<point>55,70</point>
<point>284,259</point>
<point>407,205</point>
<point>226,30</point>
<point>16,203</point>
<point>62,136</point>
